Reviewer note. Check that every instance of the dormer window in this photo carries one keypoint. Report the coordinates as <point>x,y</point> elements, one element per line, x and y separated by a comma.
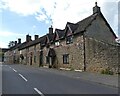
<point>57,43</point>
<point>69,39</point>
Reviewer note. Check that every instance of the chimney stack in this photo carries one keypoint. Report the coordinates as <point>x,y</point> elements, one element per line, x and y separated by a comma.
<point>96,9</point>
<point>28,38</point>
<point>51,30</point>
<point>15,42</point>
<point>36,37</point>
<point>19,41</point>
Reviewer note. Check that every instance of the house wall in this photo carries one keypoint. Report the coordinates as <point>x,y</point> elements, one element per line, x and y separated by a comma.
<point>16,55</point>
<point>31,55</point>
<point>27,55</point>
<point>101,56</point>
<point>100,31</point>
<point>24,53</point>
<point>75,51</point>
<point>35,54</point>
<point>10,56</point>
<point>45,51</point>
<point>6,55</point>
<point>38,54</point>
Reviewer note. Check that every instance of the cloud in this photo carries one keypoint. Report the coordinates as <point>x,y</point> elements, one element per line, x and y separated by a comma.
<point>23,7</point>
<point>34,26</point>
<point>111,15</point>
<point>58,12</point>
<point>9,35</point>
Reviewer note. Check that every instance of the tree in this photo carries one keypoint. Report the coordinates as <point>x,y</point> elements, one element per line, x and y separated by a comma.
<point>11,44</point>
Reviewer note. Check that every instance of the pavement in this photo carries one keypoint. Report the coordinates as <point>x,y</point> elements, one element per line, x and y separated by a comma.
<point>110,80</point>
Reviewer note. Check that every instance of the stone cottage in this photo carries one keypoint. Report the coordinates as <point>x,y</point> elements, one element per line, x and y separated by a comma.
<point>88,45</point>
<point>12,55</point>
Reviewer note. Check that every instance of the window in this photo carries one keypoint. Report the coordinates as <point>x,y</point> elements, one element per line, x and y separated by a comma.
<point>69,39</point>
<point>66,59</point>
<point>57,43</point>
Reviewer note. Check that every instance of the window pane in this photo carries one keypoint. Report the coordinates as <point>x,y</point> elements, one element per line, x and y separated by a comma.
<point>69,39</point>
<point>57,43</point>
<point>66,59</point>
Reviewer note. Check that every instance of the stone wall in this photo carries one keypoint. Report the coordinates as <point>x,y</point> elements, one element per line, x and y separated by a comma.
<point>35,54</point>
<point>45,51</point>
<point>100,56</point>
<point>24,53</point>
<point>16,56</point>
<point>75,51</point>
<point>9,57</point>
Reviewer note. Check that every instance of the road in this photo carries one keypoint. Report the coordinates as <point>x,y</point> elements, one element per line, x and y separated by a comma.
<point>22,79</point>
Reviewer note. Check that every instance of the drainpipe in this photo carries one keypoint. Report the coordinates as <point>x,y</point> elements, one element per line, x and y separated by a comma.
<point>84,52</point>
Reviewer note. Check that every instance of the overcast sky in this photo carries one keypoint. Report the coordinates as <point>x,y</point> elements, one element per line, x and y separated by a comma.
<point>21,17</point>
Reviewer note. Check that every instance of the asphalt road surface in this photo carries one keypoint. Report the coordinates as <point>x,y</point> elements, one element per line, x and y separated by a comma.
<point>23,79</point>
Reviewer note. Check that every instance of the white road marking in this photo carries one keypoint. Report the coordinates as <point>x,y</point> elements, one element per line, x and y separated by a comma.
<point>77,77</point>
<point>38,92</point>
<point>3,65</point>
<point>23,77</point>
<point>14,70</point>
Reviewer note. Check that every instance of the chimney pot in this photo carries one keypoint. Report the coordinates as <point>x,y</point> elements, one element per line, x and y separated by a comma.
<point>51,30</point>
<point>28,38</point>
<point>15,42</point>
<point>19,41</point>
<point>36,37</point>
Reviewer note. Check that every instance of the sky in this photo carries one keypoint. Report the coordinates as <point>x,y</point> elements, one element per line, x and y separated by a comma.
<point>21,17</point>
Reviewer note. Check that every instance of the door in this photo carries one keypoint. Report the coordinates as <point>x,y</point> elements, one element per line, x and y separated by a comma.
<point>41,58</point>
<point>31,60</point>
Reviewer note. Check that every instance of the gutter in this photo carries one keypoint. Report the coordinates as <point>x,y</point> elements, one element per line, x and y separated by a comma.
<point>84,65</point>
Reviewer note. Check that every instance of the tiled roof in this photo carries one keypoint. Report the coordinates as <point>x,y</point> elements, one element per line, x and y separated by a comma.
<point>76,28</point>
<point>43,40</point>
<point>82,25</point>
<point>4,49</point>
<point>50,37</point>
<point>72,26</point>
<point>22,46</point>
<point>60,33</point>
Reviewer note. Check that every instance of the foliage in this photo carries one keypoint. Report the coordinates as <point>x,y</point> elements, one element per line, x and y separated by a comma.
<point>11,44</point>
<point>71,69</point>
<point>107,71</point>
<point>1,53</point>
